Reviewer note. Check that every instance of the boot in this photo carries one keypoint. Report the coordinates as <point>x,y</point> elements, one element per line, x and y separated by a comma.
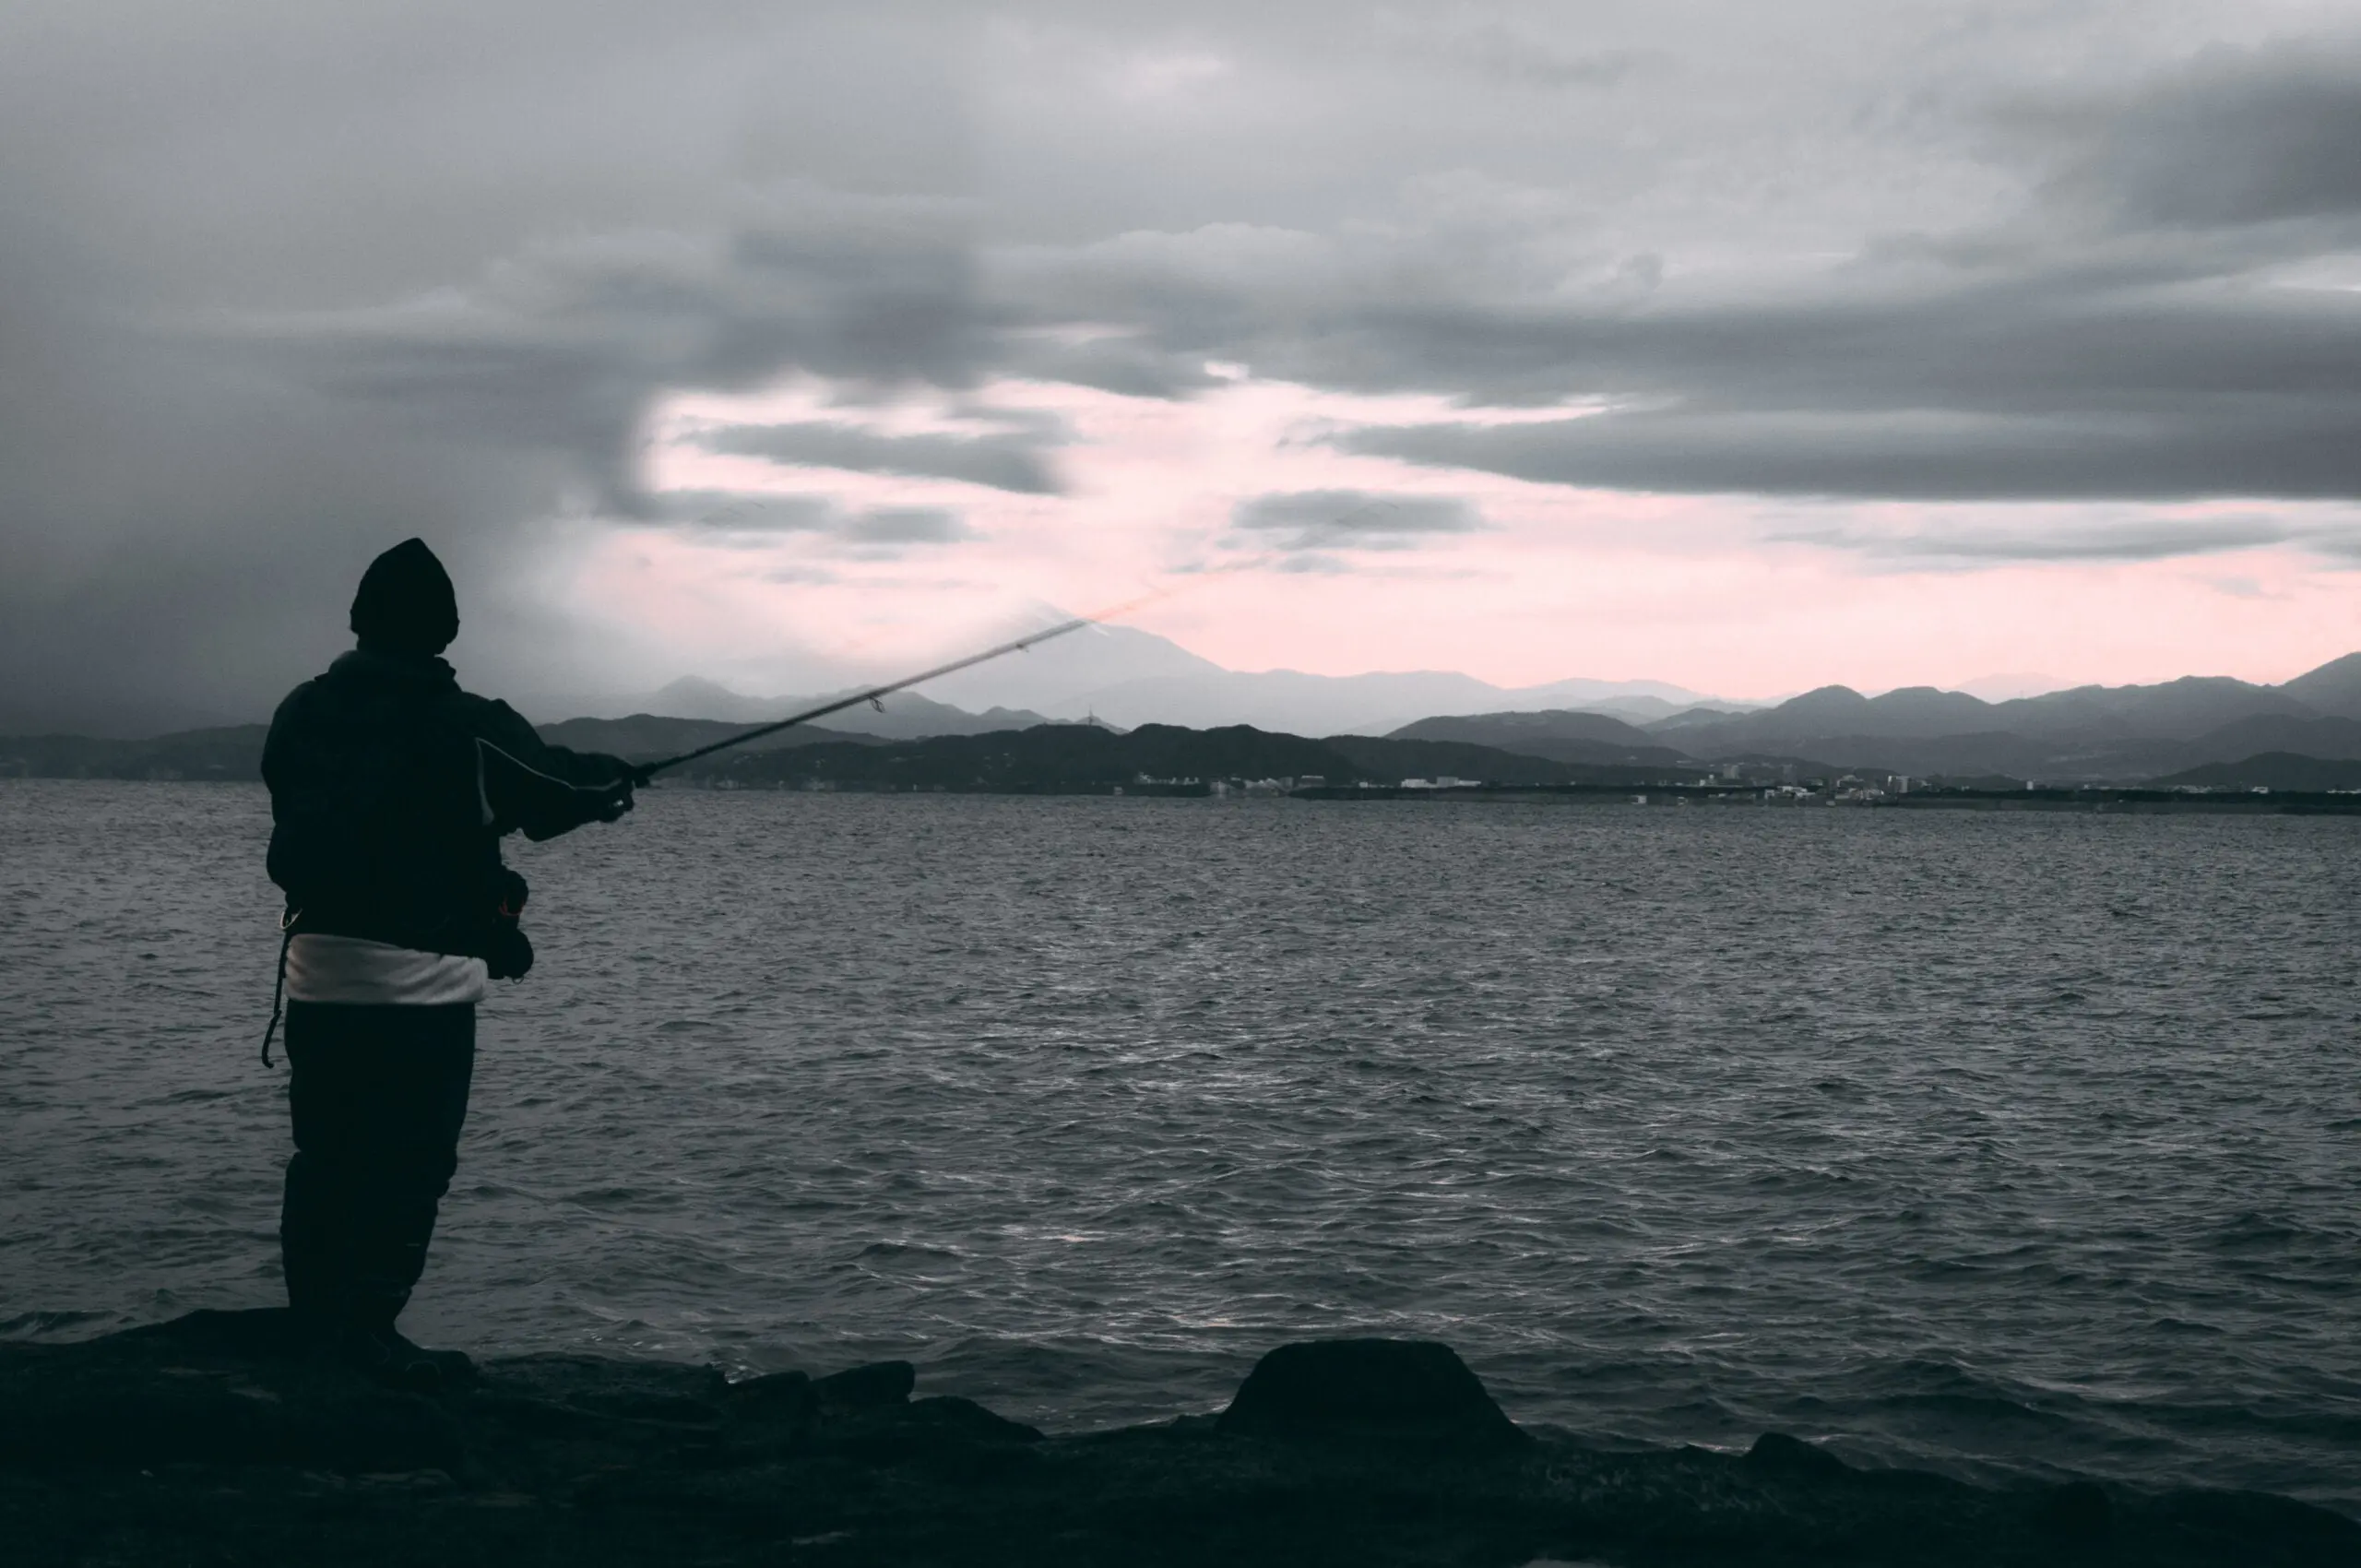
<point>382,1354</point>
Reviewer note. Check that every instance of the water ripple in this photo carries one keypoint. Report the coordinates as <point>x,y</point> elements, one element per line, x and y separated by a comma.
<point>2002,1144</point>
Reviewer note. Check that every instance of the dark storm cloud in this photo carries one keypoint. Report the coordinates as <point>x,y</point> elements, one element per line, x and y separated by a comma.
<point>563,350</point>
<point>2058,375</point>
<point>2235,137</point>
<point>2020,387</point>
<point>165,509</point>
<point>1120,363</point>
<point>1000,460</point>
<point>2015,383</point>
<point>279,287</point>
<point>176,493</point>
<point>2280,448</point>
<point>1330,519</point>
<point>2088,346</point>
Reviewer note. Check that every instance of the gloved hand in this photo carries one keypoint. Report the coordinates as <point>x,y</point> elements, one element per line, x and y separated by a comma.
<point>617,797</point>
<point>511,954</point>
<point>508,954</point>
<point>611,806</point>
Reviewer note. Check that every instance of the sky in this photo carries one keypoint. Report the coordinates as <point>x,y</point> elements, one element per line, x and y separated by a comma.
<point>1747,348</point>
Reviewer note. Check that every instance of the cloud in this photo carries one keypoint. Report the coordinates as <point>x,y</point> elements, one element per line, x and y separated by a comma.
<point>2235,136</point>
<point>564,347</point>
<point>1908,372</point>
<point>1954,547</point>
<point>1502,54</point>
<point>2202,446</point>
<point>2021,354</point>
<point>1331,519</point>
<point>726,511</point>
<point>1121,362</point>
<point>275,293</point>
<point>723,518</point>
<point>905,525</point>
<point>999,460</point>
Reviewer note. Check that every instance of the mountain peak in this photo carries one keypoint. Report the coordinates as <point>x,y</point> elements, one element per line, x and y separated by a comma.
<point>2334,687</point>
<point>1824,699</point>
<point>696,688</point>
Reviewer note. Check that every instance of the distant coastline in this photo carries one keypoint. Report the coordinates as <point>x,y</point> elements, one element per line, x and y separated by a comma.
<point>2084,798</point>
<point>2198,740</point>
<point>1170,761</point>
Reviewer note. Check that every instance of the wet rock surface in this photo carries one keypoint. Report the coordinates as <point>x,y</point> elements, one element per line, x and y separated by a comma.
<point>215,1439</point>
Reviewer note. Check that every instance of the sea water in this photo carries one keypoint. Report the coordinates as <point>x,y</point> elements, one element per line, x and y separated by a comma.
<point>2002,1144</point>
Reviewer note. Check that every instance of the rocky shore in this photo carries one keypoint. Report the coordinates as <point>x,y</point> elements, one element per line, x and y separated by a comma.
<point>213,1440</point>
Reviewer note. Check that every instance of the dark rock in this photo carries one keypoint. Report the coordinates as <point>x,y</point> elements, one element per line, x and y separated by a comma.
<point>774,1397</point>
<point>2240,1524</point>
<point>1781,1454</point>
<point>948,1412</point>
<point>209,1441</point>
<point>861,1388</point>
<point>1392,1388</point>
<point>256,1333</point>
<point>944,1435</point>
<point>377,1430</point>
<point>215,1387</point>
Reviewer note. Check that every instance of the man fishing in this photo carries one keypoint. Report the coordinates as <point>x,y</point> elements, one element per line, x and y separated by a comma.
<point>390,790</point>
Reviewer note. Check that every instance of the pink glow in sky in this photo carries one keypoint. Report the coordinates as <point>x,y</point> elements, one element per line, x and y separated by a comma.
<point>1740,597</point>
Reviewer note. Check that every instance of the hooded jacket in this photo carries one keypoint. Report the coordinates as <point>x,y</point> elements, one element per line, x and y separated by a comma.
<point>390,788</point>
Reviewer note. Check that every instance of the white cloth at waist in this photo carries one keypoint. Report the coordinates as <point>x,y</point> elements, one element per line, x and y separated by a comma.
<point>357,972</point>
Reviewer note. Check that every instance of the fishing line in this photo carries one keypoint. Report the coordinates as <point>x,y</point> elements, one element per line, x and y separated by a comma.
<point>647,771</point>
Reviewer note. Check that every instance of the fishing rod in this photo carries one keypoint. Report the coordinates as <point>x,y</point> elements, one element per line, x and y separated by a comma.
<point>647,771</point>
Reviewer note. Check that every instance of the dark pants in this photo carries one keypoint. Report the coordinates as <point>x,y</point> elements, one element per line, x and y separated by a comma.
<point>377,1095</point>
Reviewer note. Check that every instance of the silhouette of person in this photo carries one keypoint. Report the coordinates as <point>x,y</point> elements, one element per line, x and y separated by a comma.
<point>390,790</point>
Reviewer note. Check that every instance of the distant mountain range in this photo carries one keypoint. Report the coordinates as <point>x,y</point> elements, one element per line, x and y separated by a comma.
<point>1561,734</point>
<point>227,754</point>
<point>2209,731</point>
<point>2122,734</point>
<point>906,716</point>
<point>2271,771</point>
<point>1152,759</point>
<point>1127,677</point>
